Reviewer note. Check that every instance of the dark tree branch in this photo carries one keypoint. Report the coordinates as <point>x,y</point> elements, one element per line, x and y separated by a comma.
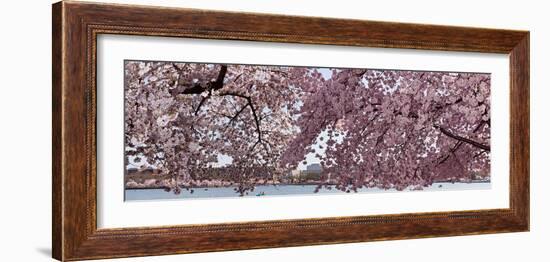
<point>453,150</point>
<point>257,121</point>
<point>255,118</point>
<point>463,139</point>
<point>200,104</point>
<point>254,115</point>
<point>234,94</point>
<point>237,78</point>
<point>237,114</point>
<point>460,143</point>
<point>440,106</point>
<point>197,88</point>
<point>221,76</point>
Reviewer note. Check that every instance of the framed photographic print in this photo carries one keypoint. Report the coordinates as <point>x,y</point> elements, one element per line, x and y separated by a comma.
<point>181,130</point>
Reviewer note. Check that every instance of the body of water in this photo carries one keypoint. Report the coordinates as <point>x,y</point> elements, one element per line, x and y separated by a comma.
<point>279,190</point>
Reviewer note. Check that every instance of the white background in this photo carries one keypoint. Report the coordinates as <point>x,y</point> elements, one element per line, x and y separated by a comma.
<point>25,136</point>
<point>114,212</point>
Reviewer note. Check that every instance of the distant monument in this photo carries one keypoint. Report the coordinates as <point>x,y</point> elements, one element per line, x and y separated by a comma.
<point>315,168</point>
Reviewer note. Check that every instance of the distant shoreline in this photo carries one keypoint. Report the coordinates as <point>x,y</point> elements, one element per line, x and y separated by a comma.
<point>277,185</point>
<point>267,191</point>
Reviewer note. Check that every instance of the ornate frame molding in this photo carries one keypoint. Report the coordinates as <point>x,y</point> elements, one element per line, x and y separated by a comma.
<point>76,26</point>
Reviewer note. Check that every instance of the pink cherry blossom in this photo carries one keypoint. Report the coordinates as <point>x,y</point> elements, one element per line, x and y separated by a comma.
<point>375,128</point>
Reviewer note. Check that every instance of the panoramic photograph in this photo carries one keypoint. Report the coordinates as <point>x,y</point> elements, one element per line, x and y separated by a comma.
<point>207,130</point>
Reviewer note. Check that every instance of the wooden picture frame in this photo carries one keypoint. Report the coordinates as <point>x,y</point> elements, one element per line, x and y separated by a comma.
<point>76,26</point>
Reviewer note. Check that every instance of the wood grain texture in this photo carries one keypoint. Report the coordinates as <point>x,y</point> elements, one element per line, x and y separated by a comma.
<point>76,26</point>
<point>57,195</point>
<point>519,129</point>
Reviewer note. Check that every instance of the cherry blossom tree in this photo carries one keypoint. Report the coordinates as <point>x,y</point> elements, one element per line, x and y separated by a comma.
<point>181,117</point>
<point>399,128</point>
<point>368,128</point>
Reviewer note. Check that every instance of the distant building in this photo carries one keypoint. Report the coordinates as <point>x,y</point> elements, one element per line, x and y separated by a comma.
<point>146,171</point>
<point>315,168</point>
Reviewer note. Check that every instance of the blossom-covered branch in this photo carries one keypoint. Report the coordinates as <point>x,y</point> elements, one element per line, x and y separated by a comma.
<point>366,128</point>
